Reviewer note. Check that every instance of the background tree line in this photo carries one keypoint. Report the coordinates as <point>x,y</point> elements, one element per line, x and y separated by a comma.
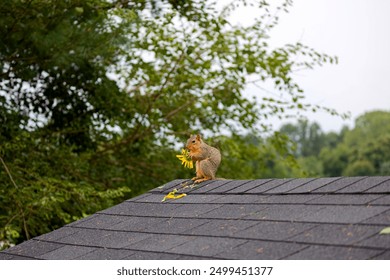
<point>363,150</point>
<point>97,97</point>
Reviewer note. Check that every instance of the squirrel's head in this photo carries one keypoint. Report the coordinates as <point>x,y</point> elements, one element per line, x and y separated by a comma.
<point>193,143</point>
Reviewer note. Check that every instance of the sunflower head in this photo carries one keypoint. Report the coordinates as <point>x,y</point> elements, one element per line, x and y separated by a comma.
<point>185,158</point>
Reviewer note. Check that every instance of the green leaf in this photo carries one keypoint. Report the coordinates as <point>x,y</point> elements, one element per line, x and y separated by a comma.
<point>79,10</point>
<point>385,231</point>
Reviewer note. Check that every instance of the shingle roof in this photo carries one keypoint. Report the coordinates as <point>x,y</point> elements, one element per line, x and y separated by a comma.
<point>324,218</point>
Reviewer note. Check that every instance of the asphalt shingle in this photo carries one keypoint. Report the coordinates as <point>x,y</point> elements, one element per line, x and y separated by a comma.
<point>259,186</point>
<point>342,199</point>
<point>364,185</point>
<point>263,250</point>
<point>67,252</point>
<point>289,186</point>
<point>271,230</point>
<point>106,254</point>
<point>306,218</point>
<point>207,246</point>
<point>313,185</point>
<point>338,185</point>
<point>215,227</point>
<point>319,252</point>
<point>335,234</point>
<point>33,248</point>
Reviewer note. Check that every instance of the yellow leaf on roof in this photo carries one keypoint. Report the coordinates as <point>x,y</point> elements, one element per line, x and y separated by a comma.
<point>173,195</point>
<point>385,231</point>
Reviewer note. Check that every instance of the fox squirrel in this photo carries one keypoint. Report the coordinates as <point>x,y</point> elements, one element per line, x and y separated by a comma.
<point>207,159</point>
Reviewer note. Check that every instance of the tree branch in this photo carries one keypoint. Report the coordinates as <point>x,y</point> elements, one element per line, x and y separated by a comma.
<point>9,173</point>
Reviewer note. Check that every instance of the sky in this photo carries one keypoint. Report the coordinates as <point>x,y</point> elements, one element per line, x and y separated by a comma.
<point>358,33</point>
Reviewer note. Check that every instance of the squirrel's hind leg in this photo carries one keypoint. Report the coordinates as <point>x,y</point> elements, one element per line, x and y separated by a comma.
<point>202,180</point>
<point>205,171</point>
<point>199,173</point>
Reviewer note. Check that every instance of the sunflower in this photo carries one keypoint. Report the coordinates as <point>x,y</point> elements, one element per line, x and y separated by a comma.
<point>185,159</point>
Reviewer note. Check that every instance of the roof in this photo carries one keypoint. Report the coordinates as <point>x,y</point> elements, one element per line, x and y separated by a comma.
<point>323,218</point>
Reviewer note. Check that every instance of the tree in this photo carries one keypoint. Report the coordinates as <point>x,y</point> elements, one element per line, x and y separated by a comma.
<point>362,150</point>
<point>95,96</point>
<point>308,138</point>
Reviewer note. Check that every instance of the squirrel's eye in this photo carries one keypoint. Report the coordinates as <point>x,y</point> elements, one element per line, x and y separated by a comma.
<point>193,141</point>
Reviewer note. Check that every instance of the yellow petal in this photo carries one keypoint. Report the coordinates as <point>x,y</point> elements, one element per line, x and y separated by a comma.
<point>172,195</point>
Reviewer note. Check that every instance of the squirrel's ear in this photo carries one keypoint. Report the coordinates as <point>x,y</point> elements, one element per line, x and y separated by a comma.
<point>198,137</point>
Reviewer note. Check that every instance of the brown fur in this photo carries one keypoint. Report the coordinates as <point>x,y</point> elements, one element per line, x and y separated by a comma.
<point>206,158</point>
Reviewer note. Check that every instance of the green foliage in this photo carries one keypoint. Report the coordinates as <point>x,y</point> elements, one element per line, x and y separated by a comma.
<point>361,151</point>
<point>96,95</point>
<point>307,137</point>
<point>360,168</point>
<point>45,186</point>
<point>251,157</point>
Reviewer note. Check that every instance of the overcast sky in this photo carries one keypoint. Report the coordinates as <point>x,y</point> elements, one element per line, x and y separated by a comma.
<point>358,32</point>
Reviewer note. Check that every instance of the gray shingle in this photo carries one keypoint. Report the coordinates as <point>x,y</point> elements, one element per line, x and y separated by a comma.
<point>262,250</point>
<point>194,210</point>
<point>381,188</point>
<point>248,186</point>
<point>144,197</point>
<point>380,219</point>
<point>4,256</point>
<point>67,252</point>
<point>324,218</point>
<point>240,199</point>
<point>233,211</point>
<point>137,224</point>
<point>221,227</point>
<point>103,238</point>
<point>363,185</point>
<point>284,212</point>
<point>81,220</point>
<point>385,255</point>
<point>33,248</point>
<point>313,185</point>
<point>169,186</point>
<point>161,242</point>
<point>229,186</point>
<point>260,186</point>
<point>338,184</point>
<point>106,254</point>
<point>318,252</point>
<point>142,209</point>
<point>290,198</point>
<point>289,186</point>
<point>57,234</point>
<point>207,246</point>
<point>175,225</point>
<point>342,214</point>
<point>102,221</point>
<point>208,186</point>
<point>271,230</point>
<point>141,255</point>
<point>382,200</point>
<point>342,199</point>
<point>379,241</point>
<point>335,234</point>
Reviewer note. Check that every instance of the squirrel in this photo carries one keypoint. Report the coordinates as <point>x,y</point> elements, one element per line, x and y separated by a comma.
<point>206,158</point>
